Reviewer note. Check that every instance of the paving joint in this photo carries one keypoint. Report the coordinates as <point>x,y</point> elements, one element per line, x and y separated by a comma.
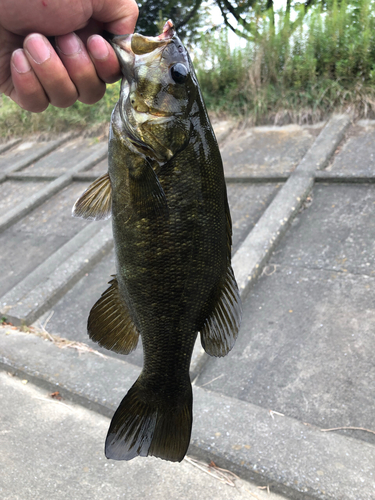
<point>8,145</point>
<point>14,215</point>
<point>35,156</point>
<point>255,251</point>
<point>40,290</point>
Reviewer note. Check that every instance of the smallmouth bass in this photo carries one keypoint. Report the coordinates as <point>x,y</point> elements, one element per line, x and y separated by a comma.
<point>172,232</point>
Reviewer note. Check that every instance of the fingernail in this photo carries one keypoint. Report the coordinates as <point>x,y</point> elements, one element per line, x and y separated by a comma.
<point>97,47</point>
<point>69,44</point>
<point>20,62</point>
<point>38,49</point>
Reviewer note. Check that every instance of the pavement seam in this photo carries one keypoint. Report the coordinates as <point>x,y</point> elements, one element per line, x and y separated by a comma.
<point>34,295</point>
<point>325,269</point>
<point>37,155</point>
<point>255,251</point>
<point>8,145</point>
<point>14,215</point>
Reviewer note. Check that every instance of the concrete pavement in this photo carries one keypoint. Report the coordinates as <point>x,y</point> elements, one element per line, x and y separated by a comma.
<point>304,259</point>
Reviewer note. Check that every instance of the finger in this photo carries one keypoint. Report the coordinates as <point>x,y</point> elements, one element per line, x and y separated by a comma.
<point>80,68</point>
<point>118,16</point>
<point>9,42</point>
<point>27,91</point>
<point>104,58</point>
<point>50,71</point>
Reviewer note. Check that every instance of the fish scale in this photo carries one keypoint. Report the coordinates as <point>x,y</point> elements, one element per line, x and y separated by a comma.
<point>172,233</point>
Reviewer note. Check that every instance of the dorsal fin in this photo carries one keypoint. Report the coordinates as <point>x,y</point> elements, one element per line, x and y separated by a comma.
<point>110,323</point>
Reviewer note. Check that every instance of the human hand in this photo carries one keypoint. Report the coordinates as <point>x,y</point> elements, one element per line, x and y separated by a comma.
<point>34,74</point>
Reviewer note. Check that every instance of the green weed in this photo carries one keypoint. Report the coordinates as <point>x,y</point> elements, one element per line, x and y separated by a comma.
<point>298,71</point>
<point>15,121</point>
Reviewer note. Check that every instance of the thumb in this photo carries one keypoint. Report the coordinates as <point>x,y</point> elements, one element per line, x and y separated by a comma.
<point>118,16</point>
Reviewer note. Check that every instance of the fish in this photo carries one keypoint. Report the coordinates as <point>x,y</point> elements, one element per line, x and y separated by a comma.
<point>172,230</point>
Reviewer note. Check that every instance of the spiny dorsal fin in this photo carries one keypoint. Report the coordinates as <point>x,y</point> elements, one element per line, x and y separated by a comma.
<point>220,329</point>
<point>110,323</point>
<point>96,202</point>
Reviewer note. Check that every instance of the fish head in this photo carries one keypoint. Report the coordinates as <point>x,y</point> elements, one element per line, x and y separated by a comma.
<point>158,91</point>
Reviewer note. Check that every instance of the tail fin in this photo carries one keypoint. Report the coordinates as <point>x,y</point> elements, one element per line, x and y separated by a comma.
<point>143,427</point>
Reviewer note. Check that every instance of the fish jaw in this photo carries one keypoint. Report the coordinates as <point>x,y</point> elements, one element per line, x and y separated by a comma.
<point>127,47</point>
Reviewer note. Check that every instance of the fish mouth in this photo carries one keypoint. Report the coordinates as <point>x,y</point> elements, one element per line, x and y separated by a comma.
<point>128,46</point>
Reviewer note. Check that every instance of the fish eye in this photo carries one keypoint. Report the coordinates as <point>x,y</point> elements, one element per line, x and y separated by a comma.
<point>179,73</point>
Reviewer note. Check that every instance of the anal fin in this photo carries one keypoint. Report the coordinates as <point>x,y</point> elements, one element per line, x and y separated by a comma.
<point>110,323</point>
<point>96,202</point>
<point>220,330</point>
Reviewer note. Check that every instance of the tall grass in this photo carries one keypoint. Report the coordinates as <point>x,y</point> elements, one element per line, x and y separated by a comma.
<point>298,71</point>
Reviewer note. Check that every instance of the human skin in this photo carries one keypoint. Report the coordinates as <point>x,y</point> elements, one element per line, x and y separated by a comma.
<point>33,73</point>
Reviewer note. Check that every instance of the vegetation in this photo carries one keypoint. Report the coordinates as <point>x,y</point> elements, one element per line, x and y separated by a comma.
<point>15,121</point>
<point>295,71</point>
<point>298,65</point>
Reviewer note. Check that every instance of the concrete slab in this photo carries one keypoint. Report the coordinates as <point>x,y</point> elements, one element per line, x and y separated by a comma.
<point>68,317</point>
<point>305,349</point>
<point>275,450</point>
<point>65,459</point>
<point>306,343</point>
<point>247,202</point>
<point>305,352</point>
<point>262,150</point>
<point>14,192</point>
<point>45,292</point>
<point>251,257</point>
<point>356,156</point>
<point>30,241</point>
<point>64,158</point>
<point>26,153</point>
<point>337,231</point>
<point>223,129</point>
<point>9,144</point>
<point>15,214</point>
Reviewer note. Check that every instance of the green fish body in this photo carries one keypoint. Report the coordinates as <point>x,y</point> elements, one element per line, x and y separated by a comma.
<point>172,232</point>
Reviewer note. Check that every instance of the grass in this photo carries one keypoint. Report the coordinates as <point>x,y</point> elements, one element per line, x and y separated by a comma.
<point>15,121</point>
<point>299,71</point>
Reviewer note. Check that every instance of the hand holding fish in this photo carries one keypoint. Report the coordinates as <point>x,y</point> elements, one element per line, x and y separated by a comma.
<point>33,73</point>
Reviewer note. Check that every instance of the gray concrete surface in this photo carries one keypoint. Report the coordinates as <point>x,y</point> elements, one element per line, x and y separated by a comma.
<point>53,450</point>
<point>266,150</point>
<point>97,153</point>
<point>256,249</point>
<point>303,362</point>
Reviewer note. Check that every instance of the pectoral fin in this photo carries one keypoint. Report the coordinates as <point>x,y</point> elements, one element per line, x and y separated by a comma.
<point>146,191</point>
<point>110,323</point>
<point>96,202</point>
<point>220,329</point>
